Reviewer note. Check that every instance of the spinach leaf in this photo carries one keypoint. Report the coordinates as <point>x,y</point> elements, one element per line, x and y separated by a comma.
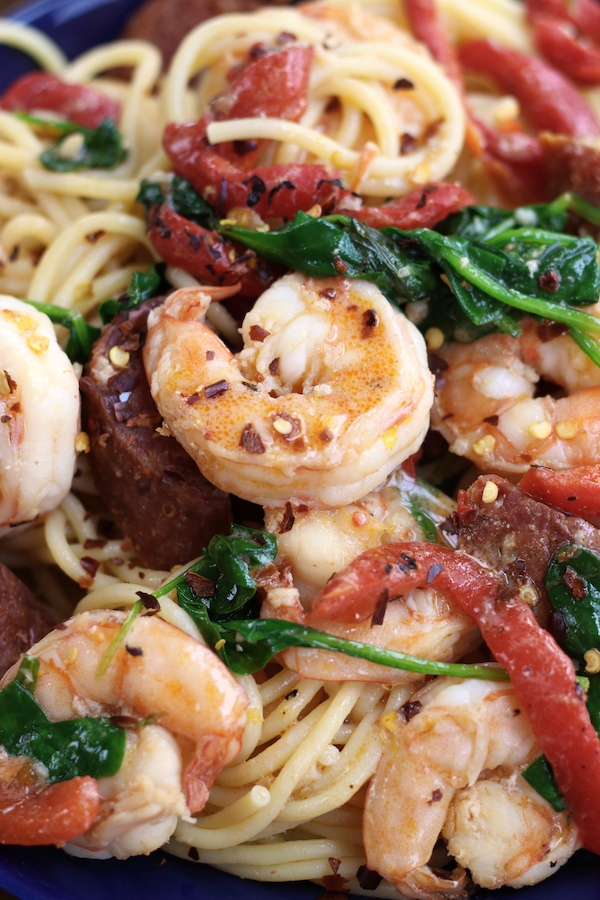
<point>180,196</point>
<point>478,272</point>
<point>228,565</point>
<point>82,335</point>
<point>429,506</point>
<point>143,286</point>
<point>250,644</point>
<point>540,776</point>
<point>68,748</point>
<point>573,586</point>
<point>101,148</point>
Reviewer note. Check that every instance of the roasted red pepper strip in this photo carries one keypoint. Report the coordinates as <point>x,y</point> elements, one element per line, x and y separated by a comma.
<point>274,85</point>
<point>426,26</point>
<point>554,23</point>
<point>205,254</point>
<point>279,190</point>
<point>422,208</point>
<point>547,98</point>
<point>54,815</point>
<point>41,90</point>
<point>576,491</point>
<point>512,159</point>
<point>542,675</point>
<point>577,58</point>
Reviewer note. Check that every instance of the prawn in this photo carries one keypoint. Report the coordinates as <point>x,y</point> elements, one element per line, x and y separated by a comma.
<point>159,670</point>
<point>330,393</point>
<point>314,544</point>
<point>487,409</point>
<point>456,765</point>
<point>39,415</point>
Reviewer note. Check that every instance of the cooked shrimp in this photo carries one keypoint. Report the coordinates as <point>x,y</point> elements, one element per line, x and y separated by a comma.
<point>317,543</point>
<point>330,393</point>
<point>487,409</point>
<point>201,709</point>
<point>454,769</point>
<point>39,415</point>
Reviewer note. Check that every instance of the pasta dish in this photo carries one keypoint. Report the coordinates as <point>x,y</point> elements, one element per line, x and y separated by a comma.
<point>300,361</point>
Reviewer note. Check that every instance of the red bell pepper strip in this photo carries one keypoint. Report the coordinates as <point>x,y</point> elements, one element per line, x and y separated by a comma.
<point>41,90</point>
<point>427,27</point>
<point>279,190</point>
<point>542,675</point>
<point>514,161</point>
<point>576,491</point>
<point>54,815</point>
<point>547,98</point>
<point>422,208</point>
<point>578,58</point>
<point>205,254</point>
<point>568,35</point>
<point>273,84</point>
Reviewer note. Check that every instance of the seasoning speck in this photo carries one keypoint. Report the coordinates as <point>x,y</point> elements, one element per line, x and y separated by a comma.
<point>119,358</point>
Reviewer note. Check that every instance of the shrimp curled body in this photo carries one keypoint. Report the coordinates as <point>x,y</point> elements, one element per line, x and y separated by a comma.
<point>157,670</point>
<point>39,415</point>
<point>457,767</point>
<point>487,409</point>
<point>330,393</point>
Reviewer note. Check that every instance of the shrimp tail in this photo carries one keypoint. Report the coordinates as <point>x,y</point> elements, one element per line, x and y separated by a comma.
<point>54,815</point>
<point>209,759</point>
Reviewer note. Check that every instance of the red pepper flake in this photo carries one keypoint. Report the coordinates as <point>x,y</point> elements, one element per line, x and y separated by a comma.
<point>251,440</point>
<point>258,333</point>
<point>145,419</point>
<point>547,330</point>
<point>295,423</point>
<point>95,544</point>
<point>210,354</point>
<point>335,864</point>
<point>549,281</point>
<point>149,602</point>
<point>379,614</point>
<point>12,385</point>
<point>134,651</point>
<point>285,37</point>
<point>328,293</point>
<point>287,522</point>
<point>407,143</point>
<point>435,797</point>
<point>201,586</point>
<point>368,879</point>
<point>403,84</point>
<point>434,570</point>
<point>338,264</point>
<point>274,366</point>
<point>293,693</point>
<point>370,321</point>
<point>336,884</point>
<point>492,420</point>
<point>94,236</point>
<point>14,253</point>
<point>193,854</point>
<point>422,200</point>
<point>575,583</point>
<point>193,398</point>
<point>326,435</point>
<point>216,389</point>
<point>90,565</point>
<point>5,419</point>
<point>410,709</point>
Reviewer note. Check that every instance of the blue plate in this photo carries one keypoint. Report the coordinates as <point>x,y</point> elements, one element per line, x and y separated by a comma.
<point>41,873</point>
